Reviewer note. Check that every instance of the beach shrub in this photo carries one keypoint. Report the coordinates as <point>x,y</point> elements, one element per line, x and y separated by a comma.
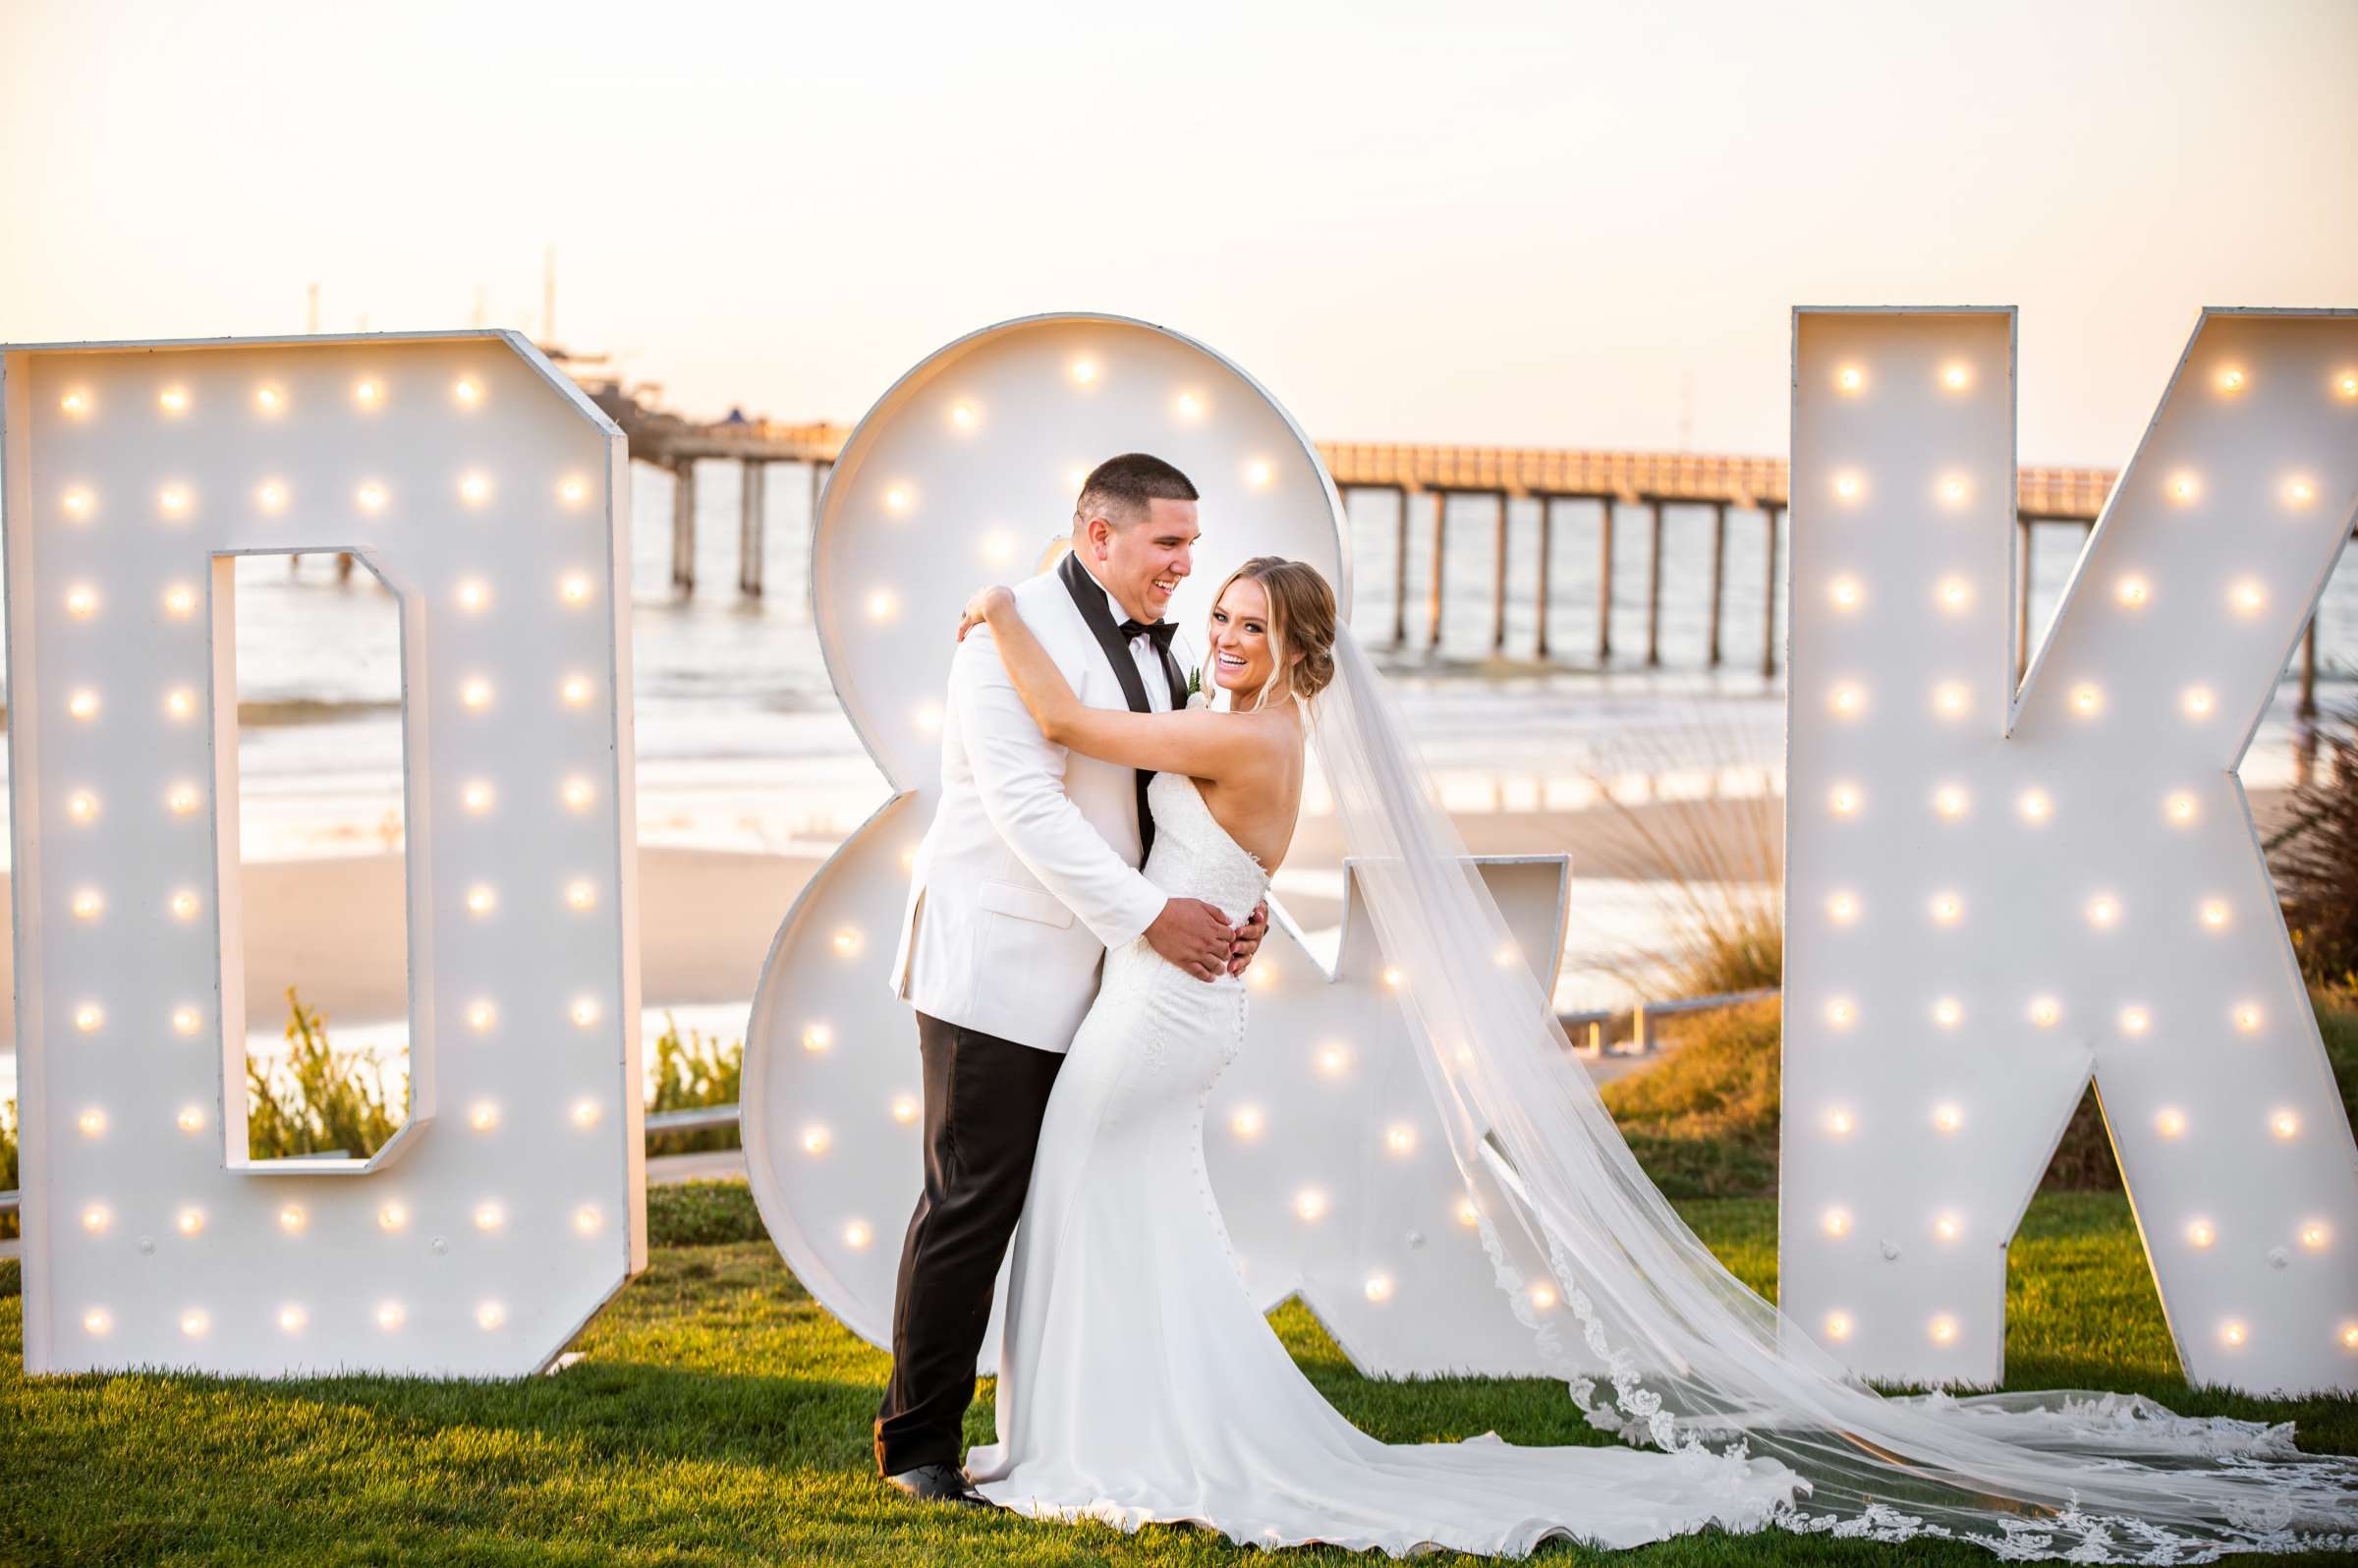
<point>2315,858</point>
<point>8,1163</point>
<point>320,1100</point>
<point>688,1074</point>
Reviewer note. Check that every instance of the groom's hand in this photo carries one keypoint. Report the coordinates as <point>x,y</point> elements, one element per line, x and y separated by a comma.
<point>1194,935</point>
<point>1248,939</point>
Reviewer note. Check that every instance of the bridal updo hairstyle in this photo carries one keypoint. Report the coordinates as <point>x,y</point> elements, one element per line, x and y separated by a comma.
<point>1302,619</point>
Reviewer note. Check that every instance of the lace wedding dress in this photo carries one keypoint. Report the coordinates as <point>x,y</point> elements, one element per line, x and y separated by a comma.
<point>1139,1383</point>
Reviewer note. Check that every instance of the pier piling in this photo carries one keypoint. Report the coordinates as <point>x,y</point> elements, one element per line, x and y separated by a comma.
<point>752,508</point>
<point>1718,578</point>
<point>1654,588</point>
<point>683,525</point>
<point>1604,580</point>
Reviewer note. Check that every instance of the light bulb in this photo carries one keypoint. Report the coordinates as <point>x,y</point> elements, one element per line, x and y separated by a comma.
<point>1943,1329</point>
<point>572,491</point>
<point>1952,800</point>
<point>1850,378</point>
<point>1846,592</point>
<point>490,1316</point>
<point>1467,1214</point>
<point>2315,1235</point>
<point>83,806</point>
<point>578,794</point>
<point>585,1113</point>
<point>2199,1233</point>
<point>1084,372</point>
<point>98,1320</point>
<point>1835,1223</point>
<point>2183,488</point>
<point>292,1220</point>
<point>2102,912</point>
<point>928,718</point>
<point>1333,1060</point>
<point>368,394</point>
<point>180,601</point>
<point>77,503</point>
<point>88,903</point>
<point>2215,914</point>
<point>962,415</point>
<point>581,895</point>
<point>2349,1331</point>
<point>2135,1019</point>
<point>1263,974</point>
<point>181,799</point>
<point>476,796</point>
<point>816,1140</point>
<point>1844,799</point>
<point>2284,1124</point>
<point>1949,1012</point>
<point>489,1217</point>
<point>1394,978</point>
<point>195,1324</point>
<point>1259,474</point>
<point>269,399</point>
<point>88,1017</point>
<point>2300,491</point>
<point>475,693</point>
<point>881,605</point>
<point>75,404</point>
<point>2247,598</point>
<point>173,400</point>
<point>1841,1012</point>
<point>847,941</point>
<point>393,1216</point>
<point>483,1116</point>
<point>1310,1203</point>
<point>1842,907</point>
<point>81,601</point>
<point>1955,490</point>
<point>95,1218</point>
<point>857,1235</point>
<point>475,488</point>
<point>370,497</point>
<point>2231,1333</point>
<point>1543,1298</point>
<point>292,1317</point>
<point>189,1119</point>
<point>2197,702</point>
<point>574,690</point>
<point>1840,1122</point>
<point>2133,592</point>
<point>2035,805</point>
<point>185,1020</point>
<point>2169,1121</point>
<point>2087,700</point>
<point>390,1316</point>
<point>1847,486</point>
<point>1188,406</point>
<point>1947,1118</point>
<point>817,1037</point>
<point>1947,1226</point>
<point>589,1220</point>
<point>2179,808</point>
<point>1848,700</point>
<point>1400,1137</point>
<point>2248,1018</point>
<point>1957,376</point>
<point>2046,1011</point>
<point>1837,1326</point>
<point>92,1122</point>
<point>469,392</point>
<point>1950,698</point>
<point>905,1109</point>
<point>480,1016</point>
<point>2347,384</point>
<point>1955,595</point>
<point>2232,380</point>
<point>83,704</point>
<point>1947,908</point>
<point>188,1221</point>
<point>584,1010</point>
<point>472,593</point>
<point>1379,1288</point>
<point>482,899</point>
<point>574,588</point>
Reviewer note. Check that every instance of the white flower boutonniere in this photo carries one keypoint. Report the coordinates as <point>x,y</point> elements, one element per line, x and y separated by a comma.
<point>1195,694</point>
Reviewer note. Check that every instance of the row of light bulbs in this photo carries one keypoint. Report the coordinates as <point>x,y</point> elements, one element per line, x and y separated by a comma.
<point>475,693</point>
<point>2314,1235</point>
<point>2036,807</point>
<point>370,394</point>
<point>2103,911</point>
<point>292,1317</point>
<point>484,1116</point>
<point>1947,1117</point>
<point>1953,596</point>
<point>177,500</point>
<point>1850,488</point>
<point>1941,1329</point>
<point>489,1216</point>
<point>2229,380</point>
<point>2045,1012</point>
<point>88,903</point>
<point>469,593</point>
<point>476,796</point>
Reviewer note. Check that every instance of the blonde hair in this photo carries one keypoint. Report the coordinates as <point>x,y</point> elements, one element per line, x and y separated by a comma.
<point>1302,617</point>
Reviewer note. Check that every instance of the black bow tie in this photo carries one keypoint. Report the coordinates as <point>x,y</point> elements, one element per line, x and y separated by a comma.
<point>1160,631</point>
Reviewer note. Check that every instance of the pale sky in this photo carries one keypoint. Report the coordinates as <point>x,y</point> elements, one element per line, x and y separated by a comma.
<point>1547,224</point>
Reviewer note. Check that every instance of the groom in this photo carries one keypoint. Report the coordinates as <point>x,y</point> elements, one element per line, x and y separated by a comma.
<point>1027,876</point>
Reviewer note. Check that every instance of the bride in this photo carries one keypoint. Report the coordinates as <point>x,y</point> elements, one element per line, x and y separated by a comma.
<point>1139,1383</point>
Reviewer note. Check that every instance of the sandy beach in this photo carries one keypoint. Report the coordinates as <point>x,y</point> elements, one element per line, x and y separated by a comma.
<point>331,928</point>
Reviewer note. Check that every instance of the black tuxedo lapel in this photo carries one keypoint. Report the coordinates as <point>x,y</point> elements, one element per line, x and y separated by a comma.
<point>1090,596</point>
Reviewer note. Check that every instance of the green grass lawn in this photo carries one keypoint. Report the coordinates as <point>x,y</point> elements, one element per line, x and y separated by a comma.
<point>720,1415</point>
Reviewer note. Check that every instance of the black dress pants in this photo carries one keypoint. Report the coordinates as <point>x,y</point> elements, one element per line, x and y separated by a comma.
<point>985,1098</point>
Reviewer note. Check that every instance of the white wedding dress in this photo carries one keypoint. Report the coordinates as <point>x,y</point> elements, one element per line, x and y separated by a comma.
<point>1139,1382</point>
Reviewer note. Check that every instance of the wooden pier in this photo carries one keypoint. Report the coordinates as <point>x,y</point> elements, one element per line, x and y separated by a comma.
<point>1602,481</point>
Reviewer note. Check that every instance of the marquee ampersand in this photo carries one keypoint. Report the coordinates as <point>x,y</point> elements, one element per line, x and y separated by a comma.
<point>481,487</point>
<point>1992,895</point>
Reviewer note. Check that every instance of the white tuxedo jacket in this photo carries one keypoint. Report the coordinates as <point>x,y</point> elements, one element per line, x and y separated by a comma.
<point>1030,871</point>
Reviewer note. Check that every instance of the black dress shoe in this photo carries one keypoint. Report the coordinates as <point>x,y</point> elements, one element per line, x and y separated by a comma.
<point>938,1483</point>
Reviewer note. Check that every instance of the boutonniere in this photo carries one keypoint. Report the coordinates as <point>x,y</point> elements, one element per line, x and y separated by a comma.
<point>1195,688</point>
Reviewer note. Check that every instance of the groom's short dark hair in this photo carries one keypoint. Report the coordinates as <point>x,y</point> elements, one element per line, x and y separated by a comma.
<point>1120,487</point>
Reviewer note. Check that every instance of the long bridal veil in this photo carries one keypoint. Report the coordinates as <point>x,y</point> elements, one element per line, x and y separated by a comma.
<point>1697,1360</point>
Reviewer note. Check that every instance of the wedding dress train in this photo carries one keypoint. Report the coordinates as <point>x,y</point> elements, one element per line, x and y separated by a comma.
<point>1141,1382</point>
